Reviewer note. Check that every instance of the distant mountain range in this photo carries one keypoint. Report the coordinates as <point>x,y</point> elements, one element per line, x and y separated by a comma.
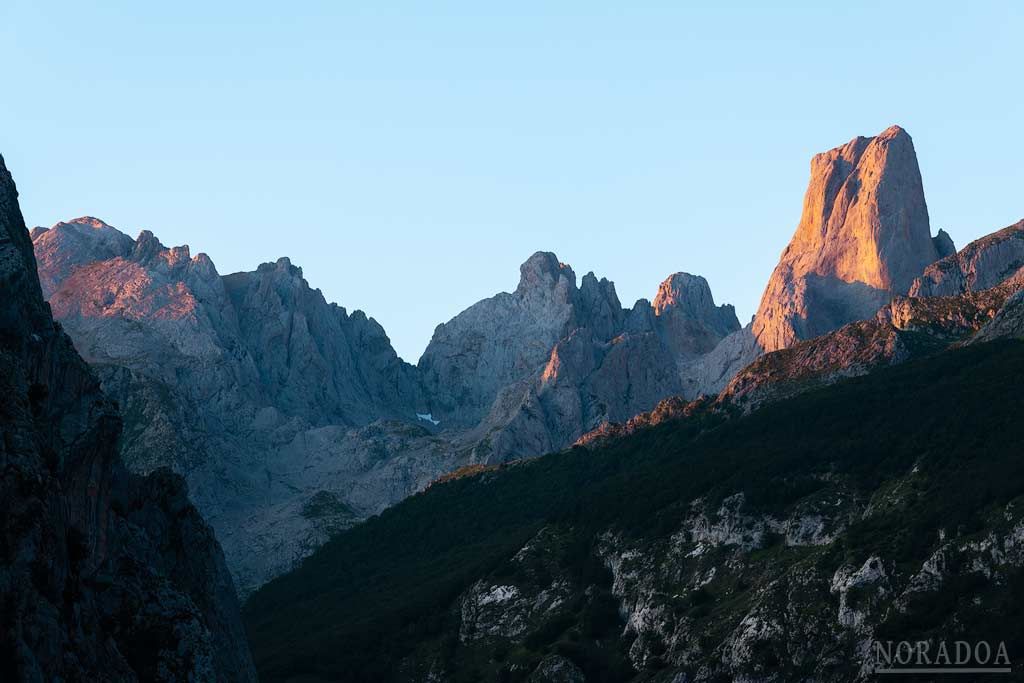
<point>291,418</point>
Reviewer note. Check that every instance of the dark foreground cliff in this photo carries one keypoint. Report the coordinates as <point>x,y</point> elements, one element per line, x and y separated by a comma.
<point>775,546</point>
<point>104,575</point>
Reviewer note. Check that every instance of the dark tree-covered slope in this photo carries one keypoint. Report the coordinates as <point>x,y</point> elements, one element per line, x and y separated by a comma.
<point>774,546</point>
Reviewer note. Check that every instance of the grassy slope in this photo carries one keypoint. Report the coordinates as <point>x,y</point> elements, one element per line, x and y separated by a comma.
<point>377,591</point>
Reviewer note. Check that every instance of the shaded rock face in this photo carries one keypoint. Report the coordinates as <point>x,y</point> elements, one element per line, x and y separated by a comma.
<point>943,245</point>
<point>105,575</point>
<point>709,374</point>
<point>981,264</point>
<point>313,358</point>
<point>605,363</point>
<point>500,340</point>
<point>689,322</point>
<point>863,238</point>
<point>1008,322</point>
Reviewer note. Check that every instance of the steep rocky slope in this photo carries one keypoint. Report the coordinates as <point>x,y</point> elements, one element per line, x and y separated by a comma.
<point>315,360</point>
<point>708,547</point>
<point>906,328</point>
<point>863,238</point>
<point>981,264</point>
<point>104,575</point>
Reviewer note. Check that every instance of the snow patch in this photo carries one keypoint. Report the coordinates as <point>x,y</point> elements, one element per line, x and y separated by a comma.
<point>428,417</point>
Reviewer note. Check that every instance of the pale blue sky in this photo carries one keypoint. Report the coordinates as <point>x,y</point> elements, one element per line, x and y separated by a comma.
<point>409,156</point>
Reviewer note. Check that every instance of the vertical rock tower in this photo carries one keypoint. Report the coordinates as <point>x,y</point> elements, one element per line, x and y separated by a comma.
<point>863,238</point>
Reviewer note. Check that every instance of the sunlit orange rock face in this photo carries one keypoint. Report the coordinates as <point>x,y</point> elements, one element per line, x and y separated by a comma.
<point>122,288</point>
<point>863,238</point>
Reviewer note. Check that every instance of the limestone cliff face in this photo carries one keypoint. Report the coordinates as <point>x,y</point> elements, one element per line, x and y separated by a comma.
<point>104,575</point>
<point>863,238</point>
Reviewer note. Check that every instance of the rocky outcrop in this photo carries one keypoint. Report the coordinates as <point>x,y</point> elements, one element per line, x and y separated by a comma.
<point>943,245</point>
<point>105,575</point>
<point>687,319</point>
<point>905,329</point>
<point>862,239</point>
<point>667,410</point>
<point>981,264</point>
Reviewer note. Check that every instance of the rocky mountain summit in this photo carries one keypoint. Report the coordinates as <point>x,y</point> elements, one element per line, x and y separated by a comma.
<point>863,238</point>
<point>105,575</point>
<point>77,242</point>
<point>498,341</point>
<point>315,359</point>
<point>590,361</point>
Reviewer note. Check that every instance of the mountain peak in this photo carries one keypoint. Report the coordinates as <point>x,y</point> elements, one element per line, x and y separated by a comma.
<point>70,244</point>
<point>683,289</point>
<point>147,247</point>
<point>863,236</point>
<point>281,265</point>
<point>687,317</point>
<point>894,131</point>
<point>90,221</point>
<point>543,269</point>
